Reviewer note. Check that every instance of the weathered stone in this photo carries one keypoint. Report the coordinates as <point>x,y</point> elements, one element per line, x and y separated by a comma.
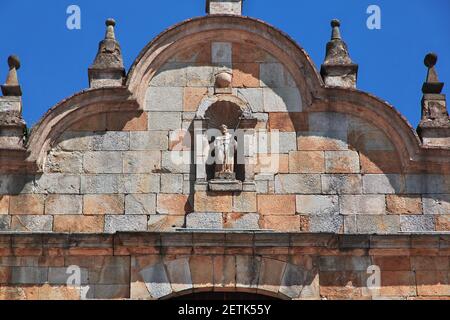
<point>341,184</point>
<point>306,162</point>
<point>293,281</point>
<point>202,271</point>
<point>76,141</point>
<point>205,220</point>
<point>115,224</point>
<point>426,184</point>
<point>127,121</point>
<point>29,275</point>
<point>442,222</point>
<point>272,75</point>
<point>172,74</point>
<point>246,75</point>
<point>362,204</point>
<point>288,122</point>
<point>281,223</point>
<point>322,140</point>
<point>100,184</point>
<point>56,183</point>
<point>276,204</point>
<point>380,162</point>
<point>254,97</point>
<point>213,202</point>
<point>164,99</point>
<point>342,162</point>
<point>5,222</point>
<point>192,98</point>
<point>140,183</point>
<point>136,204</point>
<point>176,161</point>
<point>149,140</point>
<point>103,162</point>
<point>64,162</point>
<point>173,204</point>
<point>402,204</point>
<point>247,271</point>
<point>372,224</point>
<point>112,141</point>
<point>221,53</point>
<point>436,204</point>
<point>383,183</point>
<point>161,223</point>
<point>27,204</point>
<point>317,205</point>
<point>78,224</point>
<point>326,223</point>
<point>328,121</point>
<point>271,275</point>
<point>63,275</point>
<point>244,202</point>
<point>141,161</point>
<point>287,142</point>
<point>282,100</point>
<point>156,280</point>
<point>417,223</point>
<point>240,221</point>
<point>4,204</point>
<point>179,274</point>
<point>26,223</point>
<point>172,183</point>
<point>298,183</point>
<point>164,121</point>
<point>103,204</point>
<point>63,204</point>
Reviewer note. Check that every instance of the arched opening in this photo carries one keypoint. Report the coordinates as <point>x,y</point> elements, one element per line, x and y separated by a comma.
<point>224,296</point>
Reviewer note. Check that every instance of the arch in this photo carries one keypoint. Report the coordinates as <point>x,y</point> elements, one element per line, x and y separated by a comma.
<point>209,101</point>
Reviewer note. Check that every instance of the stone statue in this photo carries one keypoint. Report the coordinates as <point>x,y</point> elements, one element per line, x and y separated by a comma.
<point>225,146</point>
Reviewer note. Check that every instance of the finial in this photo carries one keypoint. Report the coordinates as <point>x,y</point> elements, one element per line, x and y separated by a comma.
<point>336,33</point>
<point>432,84</point>
<point>110,24</point>
<point>11,86</point>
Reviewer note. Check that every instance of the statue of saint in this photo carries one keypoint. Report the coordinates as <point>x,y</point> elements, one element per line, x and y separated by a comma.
<point>225,146</point>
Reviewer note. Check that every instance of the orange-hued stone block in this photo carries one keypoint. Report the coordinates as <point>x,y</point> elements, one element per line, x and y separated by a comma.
<point>202,271</point>
<point>181,140</point>
<point>246,75</point>
<point>4,204</point>
<point>306,162</point>
<point>380,162</point>
<point>249,53</point>
<point>281,223</point>
<point>103,204</point>
<point>127,121</point>
<point>27,204</point>
<point>213,202</point>
<point>397,283</point>
<point>402,204</point>
<point>78,224</point>
<point>276,205</point>
<point>435,283</point>
<point>305,223</point>
<point>272,163</point>
<point>288,121</point>
<point>192,98</point>
<point>320,142</point>
<point>443,223</point>
<point>173,204</point>
<point>95,122</point>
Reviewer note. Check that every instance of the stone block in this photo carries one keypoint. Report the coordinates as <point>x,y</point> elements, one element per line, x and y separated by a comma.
<point>282,100</point>
<point>298,183</point>
<point>281,223</point>
<point>78,224</point>
<point>101,184</point>
<point>436,204</point>
<point>136,204</point>
<point>272,75</point>
<point>442,223</point>
<point>172,183</point>
<point>328,223</point>
<point>306,162</point>
<point>254,97</point>
<point>193,97</point>
<point>112,141</point>
<point>271,275</point>
<point>247,271</point>
<point>293,281</point>
<point>213,202</point>
<point>5,222</point>
<point>417,223</point>
<point>342,162</point>
<point>76,141</point>
<point>322,141</point>
<point>224,272</point>
<point>383,184</point>
<point>64,162</point>
<point>200,76</point>
<point>27,204</point>
<point>172,74</point>
<point>202,271</point>
<point>288,122</point>
<point>124,223</point>
<point>403,204</point>
<point>362,204</point>
<point>4,204</point>
<point>164,99</point>
<point>127,121</point>
<point>317,205</point>
<point>29,275</point>
<point>328,121</point>
<point>61,276</point>
<point>173,204</point>
<point>140,183</point>
<point>63,204</point>
<point>244,202</point>
<point>56,183</point>
<point>240,221</point>
<point>276,204</point>
<point>370,140</point>
<point>432,284</point>
<point>141,161</point>
<point>156,280</point>
<point>222,53</point>
<point>103,162</point>
<point>162,223</point>
<point>149,140</point>
<point>372,224</point>
<point>426,184</point>
<point>246,75</point>
<point>176,161</point>
<point>162,121</point>
<point>380,162</point>
<point>341,184</point>
<point>287,141</point>
<point>103,204</point>
<point>262,187</point>
<point>207,220</point>
<point>26,223</point>
<point>179,274</point>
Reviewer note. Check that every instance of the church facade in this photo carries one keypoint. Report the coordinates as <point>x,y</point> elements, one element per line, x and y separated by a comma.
<point>224,162</point>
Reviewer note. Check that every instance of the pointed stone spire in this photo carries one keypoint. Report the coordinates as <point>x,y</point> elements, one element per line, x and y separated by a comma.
<point>434,128</point>
<point>107,69</point>
<point>12,87</point>
<point>224,7</point>
<point>12,125</point>
<point>338,69</point>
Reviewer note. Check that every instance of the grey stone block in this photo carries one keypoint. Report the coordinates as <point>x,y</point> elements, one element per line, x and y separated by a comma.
<point>172,183</point>
<point>29,275</point>
<point>128,223</point>
<point>64,204</point>
<point>372,224</point>
<point>326,223</point>
<point>16,184</point>
<point>282,100</point>
<point>272,75</point>
<point>179,274</point>
<point>204,221</point>
<point>149,140</point>
<point>156,280</point>
<point>64,162</point>
<point>140,183</point>
<point>327,121</point>
<point>57,183</point>
<point>292,281</point>
<point>5,222</point>
<point>176,161</point>
<point>100,184</point>
<point>417,223</point>
<point>426,184</point>
<point>61,276</point>
<point>383,184</point>
<point>262,187</point>
<point>200,76</point>
<point>221,53</point>
<point>112,141</point>
<point>363,204</point>
<point>136,204</point>
<point>76,141</point>
<point>28,223</point>
<point>436,204</point>
<point>317,205</point>
<point>248,221</point>
<point>164,121</point>
<point>297,184</point>
<point>164,99</point>
<point>172,74</point>
<point>341,184</point>
<point>103,162</point>
<point>141,161</point>
<point>287,142</point>
<point>254,97</point>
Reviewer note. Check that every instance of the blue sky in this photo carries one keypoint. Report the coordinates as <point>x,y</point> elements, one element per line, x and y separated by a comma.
<point>55,59</point>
